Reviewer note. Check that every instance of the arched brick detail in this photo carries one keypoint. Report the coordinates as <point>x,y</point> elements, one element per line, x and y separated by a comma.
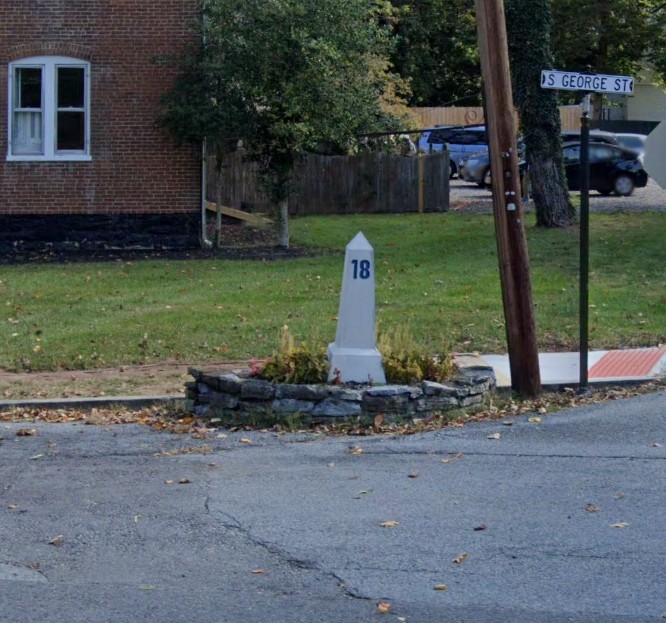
<point>49,48</point>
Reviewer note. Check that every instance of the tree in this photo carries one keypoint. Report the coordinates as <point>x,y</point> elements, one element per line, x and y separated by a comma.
<point>436,51</point>
<point>285,77</point>
<point>609,36</point>
<point>528,30</point>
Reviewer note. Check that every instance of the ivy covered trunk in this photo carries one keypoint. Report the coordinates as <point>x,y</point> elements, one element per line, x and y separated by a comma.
<point>528,27</point>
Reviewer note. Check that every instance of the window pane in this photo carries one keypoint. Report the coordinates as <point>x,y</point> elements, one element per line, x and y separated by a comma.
<point>27,133</point>
<point>28,87</point>
<point>70,87</point>
<point>71,131</point>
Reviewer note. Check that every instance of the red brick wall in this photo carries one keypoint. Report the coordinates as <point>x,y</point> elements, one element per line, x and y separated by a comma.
<point>135,166</point>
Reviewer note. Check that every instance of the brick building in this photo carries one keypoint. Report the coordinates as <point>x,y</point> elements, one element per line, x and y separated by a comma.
<point>81,157</point>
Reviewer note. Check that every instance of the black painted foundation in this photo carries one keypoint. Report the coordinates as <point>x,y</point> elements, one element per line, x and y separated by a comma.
<point>88,232</point>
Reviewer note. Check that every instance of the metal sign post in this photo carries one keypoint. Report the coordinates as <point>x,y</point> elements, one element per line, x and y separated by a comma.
<point>584,265</point>
<point>590,83</point>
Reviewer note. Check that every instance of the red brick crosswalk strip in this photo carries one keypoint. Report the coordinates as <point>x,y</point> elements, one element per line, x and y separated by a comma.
<point>626,363</point>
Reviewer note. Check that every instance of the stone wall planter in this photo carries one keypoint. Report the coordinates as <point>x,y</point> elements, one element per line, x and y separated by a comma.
<point>215,394</point>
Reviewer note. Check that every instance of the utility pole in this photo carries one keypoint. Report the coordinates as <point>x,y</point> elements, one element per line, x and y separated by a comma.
<point>509,216</point>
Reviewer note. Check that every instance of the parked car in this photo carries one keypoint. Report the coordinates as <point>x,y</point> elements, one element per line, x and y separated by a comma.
<point>612,169</point>
<point>633,142</point>
<point>475,169</point>
<point>596,136</point>
<point>461,141</point>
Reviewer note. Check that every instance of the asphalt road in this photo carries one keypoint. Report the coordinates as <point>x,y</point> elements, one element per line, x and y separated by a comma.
<point>648,199</point>
<point>560,519</point>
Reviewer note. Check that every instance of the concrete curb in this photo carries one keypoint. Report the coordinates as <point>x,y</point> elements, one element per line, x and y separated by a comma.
<point>131,402</point>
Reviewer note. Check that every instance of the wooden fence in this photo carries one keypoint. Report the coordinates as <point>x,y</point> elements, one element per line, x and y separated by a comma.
<point>458,115</point>
<point>369,183</point>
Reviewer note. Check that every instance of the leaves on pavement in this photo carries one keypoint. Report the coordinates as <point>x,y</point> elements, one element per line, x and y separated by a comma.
<point>26,432</point>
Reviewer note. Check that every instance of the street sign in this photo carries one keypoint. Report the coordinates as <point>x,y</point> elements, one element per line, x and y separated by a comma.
<point>597,83</point>
<point>653,160</point>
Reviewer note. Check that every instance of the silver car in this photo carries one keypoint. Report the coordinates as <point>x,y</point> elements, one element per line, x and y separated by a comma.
<point>475,168</point>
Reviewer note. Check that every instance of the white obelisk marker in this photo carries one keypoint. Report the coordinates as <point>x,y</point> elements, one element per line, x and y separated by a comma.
<point>354,356</point>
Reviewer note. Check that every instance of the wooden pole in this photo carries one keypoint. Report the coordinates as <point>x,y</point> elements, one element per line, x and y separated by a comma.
<point>509,216</point>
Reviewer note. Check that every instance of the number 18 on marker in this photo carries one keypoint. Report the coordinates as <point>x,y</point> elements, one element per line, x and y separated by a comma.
<point>361,269</point>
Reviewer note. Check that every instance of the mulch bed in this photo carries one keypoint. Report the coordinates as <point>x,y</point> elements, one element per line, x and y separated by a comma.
<point>239,242</point>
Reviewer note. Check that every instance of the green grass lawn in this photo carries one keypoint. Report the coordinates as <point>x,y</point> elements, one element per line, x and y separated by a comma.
<point>435,273</point>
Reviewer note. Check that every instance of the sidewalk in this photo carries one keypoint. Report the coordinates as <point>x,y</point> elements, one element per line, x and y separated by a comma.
<point>604,366</point>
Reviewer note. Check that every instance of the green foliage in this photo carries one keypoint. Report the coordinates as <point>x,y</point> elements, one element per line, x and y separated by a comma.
<point>295,364</point>
<point>407,362</point>
<point>436,51</point>
<point>285,77</point>
<point>610,36</point>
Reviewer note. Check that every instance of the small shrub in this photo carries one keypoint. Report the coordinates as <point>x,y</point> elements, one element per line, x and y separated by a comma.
<point>295,364</point>
<point>406,362</point>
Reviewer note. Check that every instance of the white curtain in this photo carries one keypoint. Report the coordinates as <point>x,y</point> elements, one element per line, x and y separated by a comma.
<point>27,133</point>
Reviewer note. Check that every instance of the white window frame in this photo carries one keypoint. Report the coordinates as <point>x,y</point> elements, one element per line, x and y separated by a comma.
<point>49,66</point>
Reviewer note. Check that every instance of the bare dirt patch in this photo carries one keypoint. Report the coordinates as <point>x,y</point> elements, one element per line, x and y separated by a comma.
<point>141,380</point>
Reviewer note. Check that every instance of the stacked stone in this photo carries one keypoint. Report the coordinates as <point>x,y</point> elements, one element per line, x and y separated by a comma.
<point>215,394</point>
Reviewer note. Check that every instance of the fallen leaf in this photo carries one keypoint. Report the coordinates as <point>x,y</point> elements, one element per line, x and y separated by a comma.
<point>356,450</point>
<point>460,558</point>
<point>620,496</point>
<point>620,524</point>
<point>146,587</point>
<point>481,527</point>
<point>257,571</point>
<point>184,481</point>
<point>389,524</point>
<point>26,432</point>
<point>57,541</point>
<point>592,508</point>
<point>222,436</point>
<point>494,436</point>
<point>656,445</point>
<point>439,587</point>
<point>413,475</point>
<point>169,482</point>
<point>379,420</point>
<point>534,419</point>
<point>245,440</point>
<point>384,607</point>
<point>36,456</point>
<point>12,507</point>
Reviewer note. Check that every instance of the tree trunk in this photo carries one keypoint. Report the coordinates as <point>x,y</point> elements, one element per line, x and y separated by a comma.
<point>553,208</point>
<point>283,223</point>
<point>528,25</point>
